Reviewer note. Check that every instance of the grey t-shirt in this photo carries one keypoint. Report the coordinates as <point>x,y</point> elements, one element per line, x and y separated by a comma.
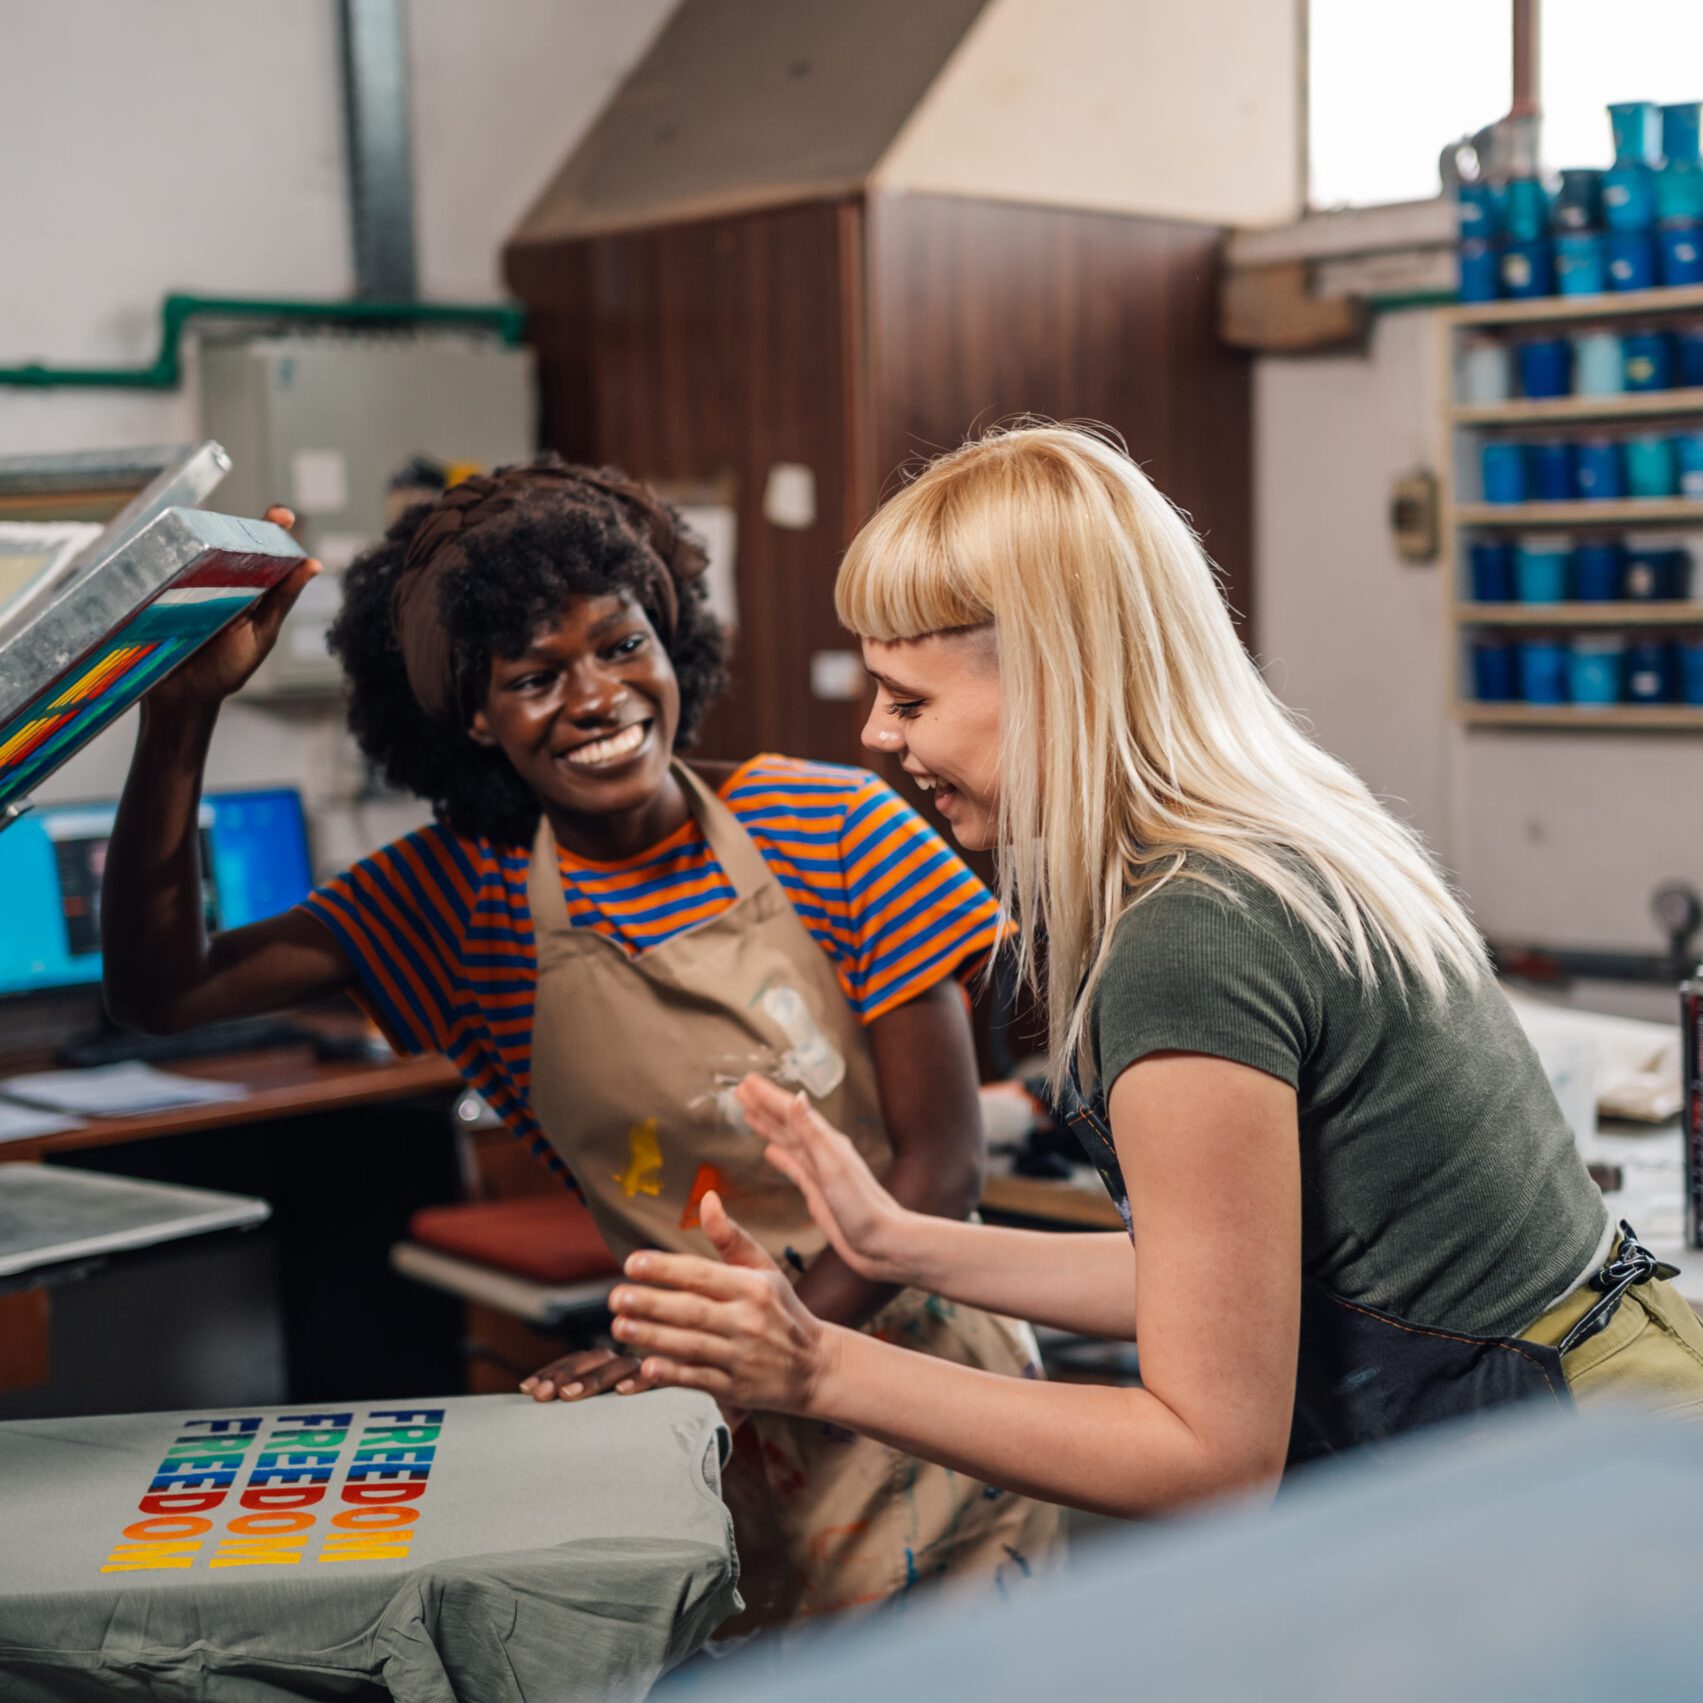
<point>488,1546</point>
<point>1440,1181</point>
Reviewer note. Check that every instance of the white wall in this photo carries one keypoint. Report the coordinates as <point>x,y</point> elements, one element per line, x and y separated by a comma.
<point>1554,836</point>
<point>197,145</point>
<point>1350,634</point>
<point>1189,111</point>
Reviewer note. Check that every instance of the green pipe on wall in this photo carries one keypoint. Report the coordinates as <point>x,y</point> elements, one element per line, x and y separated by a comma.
<point>506,319</point>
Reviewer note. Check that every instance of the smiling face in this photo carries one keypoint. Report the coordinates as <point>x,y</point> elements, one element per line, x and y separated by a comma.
<point>587,715</point>
<point>937,710</point>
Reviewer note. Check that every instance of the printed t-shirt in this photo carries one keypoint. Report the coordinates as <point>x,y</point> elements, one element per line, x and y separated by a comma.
<point>439,930</point>
<point>467,1546</point>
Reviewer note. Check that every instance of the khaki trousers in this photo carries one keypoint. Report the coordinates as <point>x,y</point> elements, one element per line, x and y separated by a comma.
<point>1649,1354</point>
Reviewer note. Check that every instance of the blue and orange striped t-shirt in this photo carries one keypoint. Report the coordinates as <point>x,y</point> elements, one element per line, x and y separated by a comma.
<point>439,928</point>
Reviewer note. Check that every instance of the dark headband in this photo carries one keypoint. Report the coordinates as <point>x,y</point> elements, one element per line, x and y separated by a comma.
<point>422,632</point>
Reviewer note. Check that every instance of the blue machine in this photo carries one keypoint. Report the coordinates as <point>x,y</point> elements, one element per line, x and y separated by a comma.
<point>254,861</point>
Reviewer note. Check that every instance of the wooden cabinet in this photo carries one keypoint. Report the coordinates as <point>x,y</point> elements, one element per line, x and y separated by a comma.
<point>853,336</point>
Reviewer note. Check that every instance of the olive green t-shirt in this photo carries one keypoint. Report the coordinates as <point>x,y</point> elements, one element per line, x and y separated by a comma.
<point>1440,1181</point>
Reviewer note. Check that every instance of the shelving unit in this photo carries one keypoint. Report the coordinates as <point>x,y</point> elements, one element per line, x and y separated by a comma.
<point>1682,303</point>
<point>1581,614</point>
<point>1466,426</point>
<point>1675,718</point>
<point>1636,406</point>
<point>1548,517</point>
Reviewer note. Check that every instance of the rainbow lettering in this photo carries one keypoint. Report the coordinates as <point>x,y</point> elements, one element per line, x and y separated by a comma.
<point>285,1473</point>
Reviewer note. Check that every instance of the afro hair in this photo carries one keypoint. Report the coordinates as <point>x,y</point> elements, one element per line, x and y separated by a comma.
<point>513,575</point>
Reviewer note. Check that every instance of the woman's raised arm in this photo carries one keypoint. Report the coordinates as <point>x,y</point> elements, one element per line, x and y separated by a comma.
<point>162,971</point>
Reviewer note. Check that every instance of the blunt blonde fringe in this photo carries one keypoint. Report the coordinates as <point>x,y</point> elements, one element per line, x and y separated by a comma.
<point>1135,729</point>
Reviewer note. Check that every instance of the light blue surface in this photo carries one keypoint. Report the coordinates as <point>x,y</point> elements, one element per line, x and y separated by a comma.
<point>1518,1557</point>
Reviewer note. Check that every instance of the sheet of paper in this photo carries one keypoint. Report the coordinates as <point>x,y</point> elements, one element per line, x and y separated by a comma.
<point>1637,1064</point>
<point>24,1123</point>
<point>789,496</point>
<point>116,1090</point>
<point>319,481</point>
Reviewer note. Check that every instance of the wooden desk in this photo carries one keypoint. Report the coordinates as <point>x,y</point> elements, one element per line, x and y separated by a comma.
<point>282,1082</point>
<point>1063,1204</point>
<point>344,1151</point>
<point>290,1082</point>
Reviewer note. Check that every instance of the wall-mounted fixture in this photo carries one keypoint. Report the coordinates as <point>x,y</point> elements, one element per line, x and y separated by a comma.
<point>1413,515</point>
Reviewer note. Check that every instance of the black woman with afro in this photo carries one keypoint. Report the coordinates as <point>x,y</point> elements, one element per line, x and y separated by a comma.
<point>604,939</point>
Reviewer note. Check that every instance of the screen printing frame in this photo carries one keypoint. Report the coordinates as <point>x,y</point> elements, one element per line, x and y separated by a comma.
<point>160,581</point>
<point>169,476</point>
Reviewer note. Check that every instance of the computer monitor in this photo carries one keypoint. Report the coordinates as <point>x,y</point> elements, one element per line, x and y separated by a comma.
<point>254,863</point>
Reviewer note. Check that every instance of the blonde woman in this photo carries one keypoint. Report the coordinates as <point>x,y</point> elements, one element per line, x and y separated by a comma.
<point>1353,1204</point>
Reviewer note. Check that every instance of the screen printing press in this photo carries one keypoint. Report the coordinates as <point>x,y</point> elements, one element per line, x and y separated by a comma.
<point>458,1547</point>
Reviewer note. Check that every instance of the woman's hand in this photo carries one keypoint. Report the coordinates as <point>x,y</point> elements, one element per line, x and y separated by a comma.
<point>735,1330</point>
<point>226,662</point>
<point>869,1230</point>
<point>589,1372</point>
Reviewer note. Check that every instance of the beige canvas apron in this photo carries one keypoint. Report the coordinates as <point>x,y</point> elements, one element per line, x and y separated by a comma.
<point>632,1063</point>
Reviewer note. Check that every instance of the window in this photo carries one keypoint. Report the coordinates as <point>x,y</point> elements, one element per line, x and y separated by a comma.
<point>1591,54</point>
<point>1391,84</point>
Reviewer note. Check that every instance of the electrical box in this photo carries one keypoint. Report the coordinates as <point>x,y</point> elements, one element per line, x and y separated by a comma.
<point>323,422</point>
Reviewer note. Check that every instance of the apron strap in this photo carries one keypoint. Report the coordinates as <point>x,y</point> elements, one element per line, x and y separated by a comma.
<point>1630,1263</point>
<point>544,888</point>
<point>740,860</point>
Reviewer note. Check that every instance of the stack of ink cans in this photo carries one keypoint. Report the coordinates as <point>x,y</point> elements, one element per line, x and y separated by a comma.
<point>1635,226</point>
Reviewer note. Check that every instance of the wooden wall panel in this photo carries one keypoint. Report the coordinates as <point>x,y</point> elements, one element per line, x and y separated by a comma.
<point>979,310</point>
<point>700,351</point>
<point>856,338</point>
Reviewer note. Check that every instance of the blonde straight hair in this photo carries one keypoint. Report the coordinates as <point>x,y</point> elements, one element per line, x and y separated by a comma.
<point>1135,729</point>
